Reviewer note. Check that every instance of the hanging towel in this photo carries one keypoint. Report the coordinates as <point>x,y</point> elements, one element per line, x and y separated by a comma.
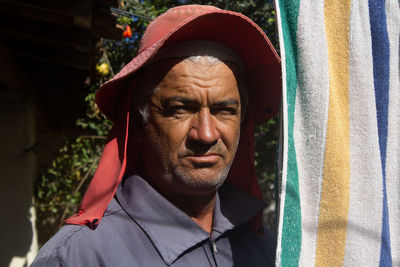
<point>339,184</point>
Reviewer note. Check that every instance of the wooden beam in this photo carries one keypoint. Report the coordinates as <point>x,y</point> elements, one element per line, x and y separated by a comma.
<point>102,22</point>
<point>75,8</point>
<point>47,53</point>
<point>32,66</point>
<point>28,38</point>
<point>26,29</point>
<point>32,12</point>
<point>74,60</point>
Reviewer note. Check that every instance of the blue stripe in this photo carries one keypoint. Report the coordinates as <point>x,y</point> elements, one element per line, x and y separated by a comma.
<point>381,54</point>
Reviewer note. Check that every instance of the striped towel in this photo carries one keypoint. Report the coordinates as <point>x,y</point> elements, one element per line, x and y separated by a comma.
<point>340,158</point>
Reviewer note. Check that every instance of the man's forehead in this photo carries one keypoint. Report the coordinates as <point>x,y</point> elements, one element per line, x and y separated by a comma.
<point>203,67</point>
<point>199,77</point>
<point>199,48</point>
<point>153,74</point>
<point>183,76</point>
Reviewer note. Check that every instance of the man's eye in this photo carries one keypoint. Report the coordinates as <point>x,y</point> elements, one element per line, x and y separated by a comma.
<point>179,110</point>
<point>224,111</point>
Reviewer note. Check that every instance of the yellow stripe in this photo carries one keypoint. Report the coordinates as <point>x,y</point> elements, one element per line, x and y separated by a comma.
<point>334,205</point>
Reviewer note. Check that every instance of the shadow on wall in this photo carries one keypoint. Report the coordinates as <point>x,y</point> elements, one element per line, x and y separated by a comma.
<point>17,173</point>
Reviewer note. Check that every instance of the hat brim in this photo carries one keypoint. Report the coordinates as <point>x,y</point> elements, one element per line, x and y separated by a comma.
<point>231,29</point>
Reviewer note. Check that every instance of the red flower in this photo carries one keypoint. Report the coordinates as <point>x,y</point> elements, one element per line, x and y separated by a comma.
<point>128,32</point>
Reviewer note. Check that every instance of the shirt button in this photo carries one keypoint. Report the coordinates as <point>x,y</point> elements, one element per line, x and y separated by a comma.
<point>215,247</point>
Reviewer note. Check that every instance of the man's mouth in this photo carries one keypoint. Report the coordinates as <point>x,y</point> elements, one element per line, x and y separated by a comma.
<point>204,160</point>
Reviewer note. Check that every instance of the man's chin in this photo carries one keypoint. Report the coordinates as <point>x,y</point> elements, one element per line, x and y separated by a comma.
<point>202,179</point>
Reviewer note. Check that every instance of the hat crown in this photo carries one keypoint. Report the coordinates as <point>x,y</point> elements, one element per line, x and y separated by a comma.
<point>164,24</point>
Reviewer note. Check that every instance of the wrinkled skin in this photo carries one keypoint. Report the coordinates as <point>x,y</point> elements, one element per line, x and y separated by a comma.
<point>193,129</point>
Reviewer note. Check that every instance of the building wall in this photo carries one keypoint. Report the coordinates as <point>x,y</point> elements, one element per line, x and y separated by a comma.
<point>17,173</point>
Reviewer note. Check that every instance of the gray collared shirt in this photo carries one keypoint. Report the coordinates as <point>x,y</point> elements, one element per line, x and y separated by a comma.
<point>142,228</point>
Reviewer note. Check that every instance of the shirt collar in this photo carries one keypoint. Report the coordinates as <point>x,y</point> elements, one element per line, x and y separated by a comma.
<point>171,231</point>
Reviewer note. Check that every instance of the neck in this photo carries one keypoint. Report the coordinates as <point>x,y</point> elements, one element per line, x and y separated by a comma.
<point>198,207</point>
<point>198,204</point>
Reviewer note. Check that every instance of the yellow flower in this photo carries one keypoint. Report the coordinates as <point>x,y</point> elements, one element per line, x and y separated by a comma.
<point>103,69</point>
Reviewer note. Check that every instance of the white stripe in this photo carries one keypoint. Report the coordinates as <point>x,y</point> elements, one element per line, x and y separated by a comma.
<point>363,240</point>
<point>284,151</point>
<point>393,144</point>
<point>311,114</point>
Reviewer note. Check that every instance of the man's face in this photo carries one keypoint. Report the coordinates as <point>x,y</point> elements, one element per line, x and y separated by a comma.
<point>193,128</point>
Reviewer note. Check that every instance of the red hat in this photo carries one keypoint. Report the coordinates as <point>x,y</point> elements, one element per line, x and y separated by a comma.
<point>181,24</point>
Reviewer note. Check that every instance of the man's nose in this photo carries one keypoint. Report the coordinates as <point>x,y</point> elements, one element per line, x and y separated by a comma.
<point>204,128</point>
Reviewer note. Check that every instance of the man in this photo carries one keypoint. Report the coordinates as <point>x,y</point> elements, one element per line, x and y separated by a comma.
<point>183,113</point>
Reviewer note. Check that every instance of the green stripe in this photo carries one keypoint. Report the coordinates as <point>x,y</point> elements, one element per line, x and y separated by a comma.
<point>291,228</point>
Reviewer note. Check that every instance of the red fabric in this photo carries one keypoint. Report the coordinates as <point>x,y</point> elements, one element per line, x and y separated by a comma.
<point>122,151</point>
<point>109,173</point>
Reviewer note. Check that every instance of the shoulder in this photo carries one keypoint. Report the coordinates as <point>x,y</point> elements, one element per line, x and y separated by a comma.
<point>50,253</point>
<point>76,245</point>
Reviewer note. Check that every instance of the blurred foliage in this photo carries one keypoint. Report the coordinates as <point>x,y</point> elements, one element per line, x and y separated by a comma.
<point>60,186</point>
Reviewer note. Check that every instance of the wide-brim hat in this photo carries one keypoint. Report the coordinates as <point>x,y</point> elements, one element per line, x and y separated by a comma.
<point>197,22</point>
